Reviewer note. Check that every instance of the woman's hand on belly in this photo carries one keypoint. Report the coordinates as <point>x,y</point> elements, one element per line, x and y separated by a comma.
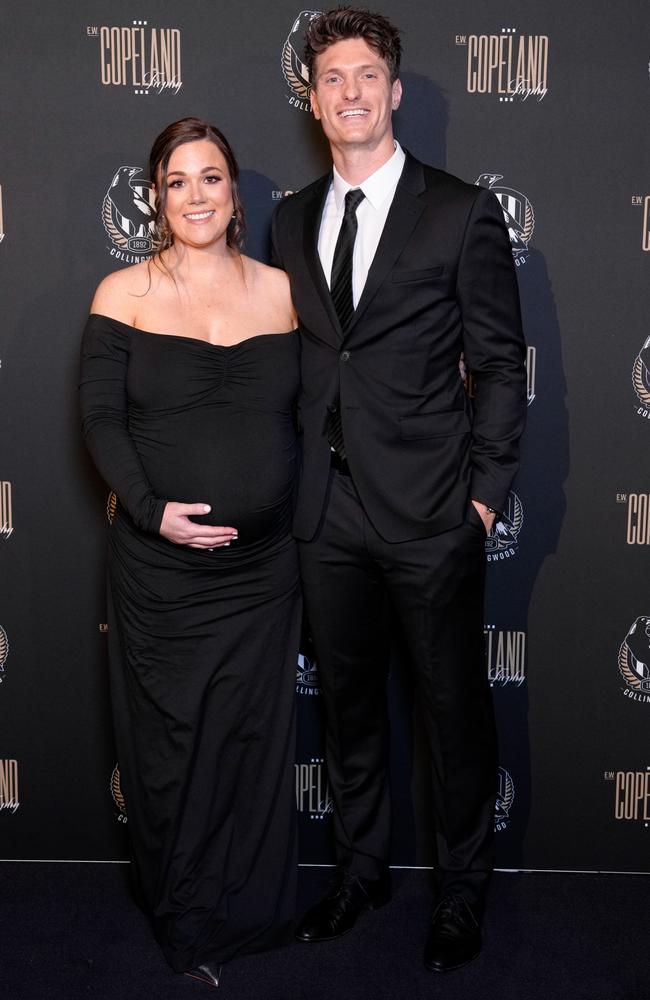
<point>176,527</point>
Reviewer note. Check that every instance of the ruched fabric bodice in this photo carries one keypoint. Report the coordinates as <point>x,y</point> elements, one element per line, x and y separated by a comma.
<point>205,423</point>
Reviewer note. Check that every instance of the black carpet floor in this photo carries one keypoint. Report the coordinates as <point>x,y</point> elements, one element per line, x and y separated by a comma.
<point>69,931</point>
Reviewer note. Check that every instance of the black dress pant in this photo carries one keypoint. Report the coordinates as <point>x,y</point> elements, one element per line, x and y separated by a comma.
<point>353,582</point>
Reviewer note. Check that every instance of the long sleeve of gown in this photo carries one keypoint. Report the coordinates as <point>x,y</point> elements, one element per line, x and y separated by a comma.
<point>105,419</point>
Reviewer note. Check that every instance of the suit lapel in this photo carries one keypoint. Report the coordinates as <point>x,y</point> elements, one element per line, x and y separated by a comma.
<point>402,218</point>
<point>311,226</point>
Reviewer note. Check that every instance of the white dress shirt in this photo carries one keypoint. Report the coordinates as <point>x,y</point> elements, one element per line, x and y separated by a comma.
<point>379,191</point>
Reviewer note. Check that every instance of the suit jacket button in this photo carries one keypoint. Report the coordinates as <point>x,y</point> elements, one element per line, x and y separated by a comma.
<point>332,408</point>
<point>345,356</point>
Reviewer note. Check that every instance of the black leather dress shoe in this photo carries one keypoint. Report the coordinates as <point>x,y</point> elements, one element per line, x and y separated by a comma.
<point>454,937</point>
<point>209,972</point>
<point>336,914</point>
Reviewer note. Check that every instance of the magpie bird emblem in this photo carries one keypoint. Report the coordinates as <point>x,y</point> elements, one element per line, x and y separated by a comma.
<point>634,655</point>
<point>129,210</point>
<point>517,211</point>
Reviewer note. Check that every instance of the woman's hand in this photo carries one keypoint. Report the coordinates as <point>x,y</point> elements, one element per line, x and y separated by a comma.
<point>176,527</point>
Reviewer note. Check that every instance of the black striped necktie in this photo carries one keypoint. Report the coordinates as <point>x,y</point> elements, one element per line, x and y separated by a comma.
<point>341,283</point>
<point>341,291</point>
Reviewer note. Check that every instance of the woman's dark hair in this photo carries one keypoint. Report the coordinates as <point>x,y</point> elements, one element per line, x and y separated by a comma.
<point>175,135</point>
<point>349,22</point>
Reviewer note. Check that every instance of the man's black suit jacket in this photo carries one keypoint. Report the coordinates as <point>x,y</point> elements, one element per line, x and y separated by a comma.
<point>442,283</point>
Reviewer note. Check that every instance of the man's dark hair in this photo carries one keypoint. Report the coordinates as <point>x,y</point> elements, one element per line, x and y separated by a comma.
<point>349,22</point>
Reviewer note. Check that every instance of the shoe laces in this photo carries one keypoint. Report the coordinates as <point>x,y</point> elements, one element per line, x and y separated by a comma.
<point>453,909</point>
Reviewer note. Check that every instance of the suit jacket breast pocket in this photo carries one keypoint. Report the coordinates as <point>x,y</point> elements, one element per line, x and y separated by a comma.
<point>419,274</point>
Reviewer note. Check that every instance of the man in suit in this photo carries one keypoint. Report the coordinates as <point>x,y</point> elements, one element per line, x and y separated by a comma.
<point>398,269</point>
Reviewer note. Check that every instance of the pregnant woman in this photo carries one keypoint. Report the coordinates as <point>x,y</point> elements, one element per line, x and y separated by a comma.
<point>189,375</point>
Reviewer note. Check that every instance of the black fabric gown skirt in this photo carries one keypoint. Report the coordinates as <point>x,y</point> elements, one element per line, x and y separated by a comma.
<point>203,645</point>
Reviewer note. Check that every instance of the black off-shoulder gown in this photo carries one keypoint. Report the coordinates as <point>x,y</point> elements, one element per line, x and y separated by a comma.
<point>202,645</point>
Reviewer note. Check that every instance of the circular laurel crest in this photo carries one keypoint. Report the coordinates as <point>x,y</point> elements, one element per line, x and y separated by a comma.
<point>118,238</point>
<point>4,647</point>
<point>296,81</point>
<point>517,514</point>
<point>293,68</point>
<point>529,223</point>
<point>639,382</point>
<point>111,506</point>
<point>116,790</point>
<point>505,794</point>
<point>631,678</point>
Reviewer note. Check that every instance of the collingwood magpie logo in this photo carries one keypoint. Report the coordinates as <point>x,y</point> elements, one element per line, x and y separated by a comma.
<point>502,542</point>
<point>111,507</point>
<point>118,797</point>
<point>293,68</point>
<point>505,799</point>
<point>4,652</point>
<point>128,214</point>
<point>634,660</point>
<point>306,676</point>
<point>517,212</point>
<point>641,379</point>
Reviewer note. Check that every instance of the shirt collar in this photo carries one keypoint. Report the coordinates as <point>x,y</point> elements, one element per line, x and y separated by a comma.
<point>378,186</point>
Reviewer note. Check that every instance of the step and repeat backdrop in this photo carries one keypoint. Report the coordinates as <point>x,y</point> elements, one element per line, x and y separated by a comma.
<point>544,103</point>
